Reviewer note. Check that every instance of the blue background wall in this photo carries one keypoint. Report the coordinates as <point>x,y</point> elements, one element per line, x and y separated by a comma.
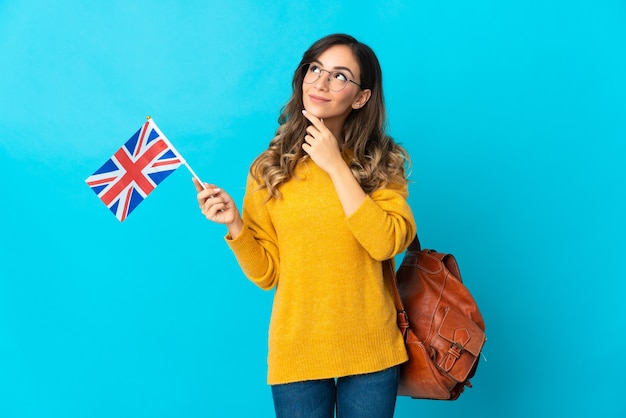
<point>514,113</point>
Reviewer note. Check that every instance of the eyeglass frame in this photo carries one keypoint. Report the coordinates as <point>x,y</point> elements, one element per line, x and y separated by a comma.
<point>306,70</point>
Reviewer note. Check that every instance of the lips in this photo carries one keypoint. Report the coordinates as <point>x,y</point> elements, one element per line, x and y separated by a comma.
<point>317,99</point>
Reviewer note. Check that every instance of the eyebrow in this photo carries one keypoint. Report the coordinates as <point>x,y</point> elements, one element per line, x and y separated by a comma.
<point>336,68</point>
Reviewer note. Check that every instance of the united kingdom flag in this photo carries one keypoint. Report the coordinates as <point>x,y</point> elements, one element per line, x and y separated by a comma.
<point>135,170</point>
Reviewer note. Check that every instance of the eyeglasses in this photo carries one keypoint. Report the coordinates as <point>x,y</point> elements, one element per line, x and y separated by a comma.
<point>337,80</point>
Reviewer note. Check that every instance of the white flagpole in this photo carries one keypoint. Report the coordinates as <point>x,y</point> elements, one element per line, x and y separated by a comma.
<point>193,173</point>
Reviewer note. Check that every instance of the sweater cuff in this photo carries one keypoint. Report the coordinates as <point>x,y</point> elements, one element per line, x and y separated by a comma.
<point>252,258</point>
<point>243,243</point>
<point>365,223</point>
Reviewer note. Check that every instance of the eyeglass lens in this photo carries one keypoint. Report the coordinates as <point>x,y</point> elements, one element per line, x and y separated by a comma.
<point>336,80</point>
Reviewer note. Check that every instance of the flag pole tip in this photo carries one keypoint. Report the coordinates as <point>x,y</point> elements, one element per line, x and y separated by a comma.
<point>148,117</point>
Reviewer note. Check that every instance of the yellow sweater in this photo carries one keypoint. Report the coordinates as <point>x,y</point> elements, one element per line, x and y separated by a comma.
<point>333,314</point>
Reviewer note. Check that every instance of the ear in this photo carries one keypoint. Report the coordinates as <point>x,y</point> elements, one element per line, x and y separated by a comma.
<point>362,99</point>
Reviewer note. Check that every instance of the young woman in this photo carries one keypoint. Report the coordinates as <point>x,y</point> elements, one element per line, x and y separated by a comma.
<point>325,204</point>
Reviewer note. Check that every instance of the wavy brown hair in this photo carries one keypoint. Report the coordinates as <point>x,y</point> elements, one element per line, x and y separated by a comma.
<point>374,158</point>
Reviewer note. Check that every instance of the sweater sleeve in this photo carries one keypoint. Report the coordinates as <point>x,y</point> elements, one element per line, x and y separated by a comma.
<point>384,223</point>
<point>255,248</point>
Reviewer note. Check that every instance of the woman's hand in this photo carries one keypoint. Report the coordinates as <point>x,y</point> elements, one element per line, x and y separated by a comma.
<point>322,147</point>
<point>321,144</point>
<point>217,206</point>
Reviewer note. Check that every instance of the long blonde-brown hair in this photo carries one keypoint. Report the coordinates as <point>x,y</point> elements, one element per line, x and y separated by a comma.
<point>375,159</point>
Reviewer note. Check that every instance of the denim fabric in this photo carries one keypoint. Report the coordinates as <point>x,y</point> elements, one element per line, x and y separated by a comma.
<point>371,395</point>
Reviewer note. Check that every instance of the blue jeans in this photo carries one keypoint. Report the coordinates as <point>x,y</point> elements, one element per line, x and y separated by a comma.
<point>371,395</point>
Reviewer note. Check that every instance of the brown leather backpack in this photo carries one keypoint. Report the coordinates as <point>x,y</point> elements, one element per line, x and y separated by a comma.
<point>443,329</point>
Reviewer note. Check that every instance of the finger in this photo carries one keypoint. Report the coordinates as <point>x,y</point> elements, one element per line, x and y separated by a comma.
<point>317,122</point>
<point>200,187</point>
<point>308,140</point>
<point>211,206</point>
<point>312,131</point>
<point>215,210</point>
<point>221,199</point>
<point>197,184</point>
<point>208,192</point>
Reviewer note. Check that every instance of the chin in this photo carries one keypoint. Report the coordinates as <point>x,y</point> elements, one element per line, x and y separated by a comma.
<point>315,111</point>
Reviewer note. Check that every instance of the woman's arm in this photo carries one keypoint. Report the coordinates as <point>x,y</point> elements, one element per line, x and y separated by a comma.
<point>323,148</point>
<point>253,242</point>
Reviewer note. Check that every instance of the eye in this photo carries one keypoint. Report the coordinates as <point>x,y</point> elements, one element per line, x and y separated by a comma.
<point>339,76</point>
<point>313,68</point>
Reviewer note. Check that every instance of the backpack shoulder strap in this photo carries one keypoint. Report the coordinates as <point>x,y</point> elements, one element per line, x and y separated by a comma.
<point>390,275</point>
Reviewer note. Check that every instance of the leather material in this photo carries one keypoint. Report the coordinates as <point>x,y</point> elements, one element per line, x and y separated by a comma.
<point>443,329</point>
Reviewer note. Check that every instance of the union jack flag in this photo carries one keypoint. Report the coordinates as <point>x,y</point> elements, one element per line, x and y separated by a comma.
<point>141,164</point>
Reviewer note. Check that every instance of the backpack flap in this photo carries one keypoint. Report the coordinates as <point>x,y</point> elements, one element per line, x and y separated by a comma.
<point>463,342</point>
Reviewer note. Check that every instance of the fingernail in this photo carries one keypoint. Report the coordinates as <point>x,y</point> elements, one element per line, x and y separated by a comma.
<point>217,190</point>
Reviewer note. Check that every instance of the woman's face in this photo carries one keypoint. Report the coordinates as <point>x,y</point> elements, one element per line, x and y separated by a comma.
<point>334,106</point>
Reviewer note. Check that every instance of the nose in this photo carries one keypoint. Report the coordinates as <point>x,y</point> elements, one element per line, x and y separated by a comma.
<point>322,81</point>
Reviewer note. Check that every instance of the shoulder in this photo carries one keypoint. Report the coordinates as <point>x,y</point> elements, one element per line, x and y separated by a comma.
<point>390,191</point>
